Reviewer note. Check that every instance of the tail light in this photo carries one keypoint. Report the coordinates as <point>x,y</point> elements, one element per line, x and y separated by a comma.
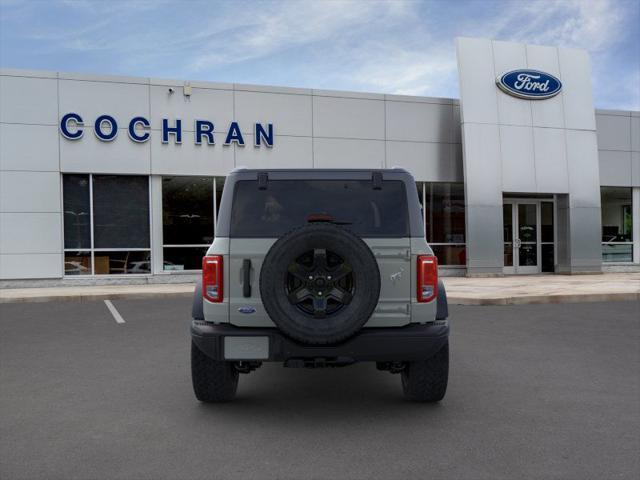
<point>212,276</point>
<point>427,280</point>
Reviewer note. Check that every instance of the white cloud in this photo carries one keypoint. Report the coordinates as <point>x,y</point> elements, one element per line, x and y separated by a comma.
<point>290,25</point>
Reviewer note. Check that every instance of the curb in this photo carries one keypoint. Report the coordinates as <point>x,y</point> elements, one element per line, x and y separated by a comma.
<point>546,299</point>
<point>92,297</point>
<point>452,299</point>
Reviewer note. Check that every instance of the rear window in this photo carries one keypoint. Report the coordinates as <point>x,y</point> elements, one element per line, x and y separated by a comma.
<point>286,204</point>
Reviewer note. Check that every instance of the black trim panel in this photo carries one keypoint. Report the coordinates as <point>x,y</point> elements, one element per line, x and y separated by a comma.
<point>413,342</point>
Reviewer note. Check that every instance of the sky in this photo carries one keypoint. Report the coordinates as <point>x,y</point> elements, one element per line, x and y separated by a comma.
<point>403,47</point>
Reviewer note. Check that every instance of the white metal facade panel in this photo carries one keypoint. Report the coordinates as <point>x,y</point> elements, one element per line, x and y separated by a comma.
<point>29,147</point>
<point>28,232</point>
<point>28,100</point>
<point>191,159</point>
<point>615,168</point>
<point>635,169</point>
<point>577,95</point>
<point>419,122</point>
<point>426,160</point>
<point>348,118</point>
<point>291,152</point>
<point>90,99</point>
<point>342,152</point>
<point>477,77</point>
<point>482,165</point>
<point>215,106</point>
<point>25,266</point>
<point>29,192</point>
<point>289,113</point>
<point>614,132</point>
<point>550,152</point>
<point>510,56</point>
<point>518,164</point>
<point>550,112</point>
<point>635,132</point>
<point>582,160</point>
<point>121,155</point>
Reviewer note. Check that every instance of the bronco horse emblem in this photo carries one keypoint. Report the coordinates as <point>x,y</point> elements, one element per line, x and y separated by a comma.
<point>396,276</point>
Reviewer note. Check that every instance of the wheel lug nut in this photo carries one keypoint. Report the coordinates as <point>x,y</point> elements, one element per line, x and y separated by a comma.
<point>319,293</point>
<point>310,277</point>
<point>328,277</point>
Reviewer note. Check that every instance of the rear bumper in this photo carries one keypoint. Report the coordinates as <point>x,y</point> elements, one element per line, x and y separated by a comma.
<point>413,342</point>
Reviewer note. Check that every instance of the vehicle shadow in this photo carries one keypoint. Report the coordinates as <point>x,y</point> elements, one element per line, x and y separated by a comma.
<point>276,395</point>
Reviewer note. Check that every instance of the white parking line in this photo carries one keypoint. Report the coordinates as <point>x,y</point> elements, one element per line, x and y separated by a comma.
<point>114,312</point>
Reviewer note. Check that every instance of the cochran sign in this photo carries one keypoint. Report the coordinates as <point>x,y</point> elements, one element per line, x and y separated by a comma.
<point>529,84</point>
<point>105,128</point>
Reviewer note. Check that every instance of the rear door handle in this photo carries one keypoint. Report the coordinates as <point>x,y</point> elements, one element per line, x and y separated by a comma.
<point>246,278</point>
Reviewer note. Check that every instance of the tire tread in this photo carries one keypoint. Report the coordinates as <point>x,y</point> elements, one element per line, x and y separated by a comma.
<point>213,381</point>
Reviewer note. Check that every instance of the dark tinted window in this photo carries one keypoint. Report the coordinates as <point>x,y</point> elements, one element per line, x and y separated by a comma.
<point>77,215</point>
<point>286,204</point>
<point>445,213</point>
<point>120,211</point>
<point>187,210</point>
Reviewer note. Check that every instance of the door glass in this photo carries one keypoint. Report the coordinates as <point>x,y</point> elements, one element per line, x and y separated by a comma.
<point>508,222</point>
<point>528,255</point>
<point>508,255</point>
<point>527,234</point>
<point>547,260</point>
<point>546,228</point>
<point>527,222</point>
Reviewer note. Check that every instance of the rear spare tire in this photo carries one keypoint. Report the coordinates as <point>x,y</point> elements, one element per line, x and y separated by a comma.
<point>320,283</point>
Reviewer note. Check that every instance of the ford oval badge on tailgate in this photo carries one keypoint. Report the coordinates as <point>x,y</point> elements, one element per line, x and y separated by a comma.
<point>247,310</point>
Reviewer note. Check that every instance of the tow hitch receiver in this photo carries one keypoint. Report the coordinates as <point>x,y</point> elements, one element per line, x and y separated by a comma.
<point>319,362</point>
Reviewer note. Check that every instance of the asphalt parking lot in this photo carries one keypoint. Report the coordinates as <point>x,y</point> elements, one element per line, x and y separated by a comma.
<point>540,391</point>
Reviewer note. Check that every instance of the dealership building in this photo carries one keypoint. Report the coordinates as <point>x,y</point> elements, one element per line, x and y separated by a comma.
<point>118,179</point>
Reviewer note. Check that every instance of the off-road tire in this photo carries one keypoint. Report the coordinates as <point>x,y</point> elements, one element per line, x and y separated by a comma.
<point>335,327</point>
<point>213,381</point>
<point>426,380</point>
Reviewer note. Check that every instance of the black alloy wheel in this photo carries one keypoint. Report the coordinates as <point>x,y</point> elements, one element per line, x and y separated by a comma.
<point>320,283</point>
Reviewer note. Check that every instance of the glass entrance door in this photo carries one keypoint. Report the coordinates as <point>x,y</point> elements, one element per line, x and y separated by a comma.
<point>523,235</point>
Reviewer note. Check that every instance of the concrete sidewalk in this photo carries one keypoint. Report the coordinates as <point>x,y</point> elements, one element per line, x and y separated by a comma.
<point>510,290</point>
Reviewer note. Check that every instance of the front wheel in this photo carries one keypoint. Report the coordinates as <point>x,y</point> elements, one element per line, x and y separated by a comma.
<point>213,381</point>
<point>426,380</point>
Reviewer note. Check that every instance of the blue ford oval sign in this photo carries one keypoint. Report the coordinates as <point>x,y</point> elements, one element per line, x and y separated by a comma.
<point>529,84</point>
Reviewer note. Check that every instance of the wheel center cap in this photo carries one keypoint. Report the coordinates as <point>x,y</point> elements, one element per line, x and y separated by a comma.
<point>320,282</point>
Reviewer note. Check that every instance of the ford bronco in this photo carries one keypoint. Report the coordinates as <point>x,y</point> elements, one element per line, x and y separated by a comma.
<point>320,268</point>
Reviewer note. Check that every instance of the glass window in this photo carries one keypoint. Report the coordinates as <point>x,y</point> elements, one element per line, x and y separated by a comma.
<point>219,189</point>
<point>117,206</point>
<point>122,262</point>
<point>547,247</point>
<point>183,258</point>
<point>77,215</point>
<point>286,204</point>
<point>444,212</point>
<point>617,224</point>
<point>187,221</point>
<point>120,211</point>
<point>77,262</point>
